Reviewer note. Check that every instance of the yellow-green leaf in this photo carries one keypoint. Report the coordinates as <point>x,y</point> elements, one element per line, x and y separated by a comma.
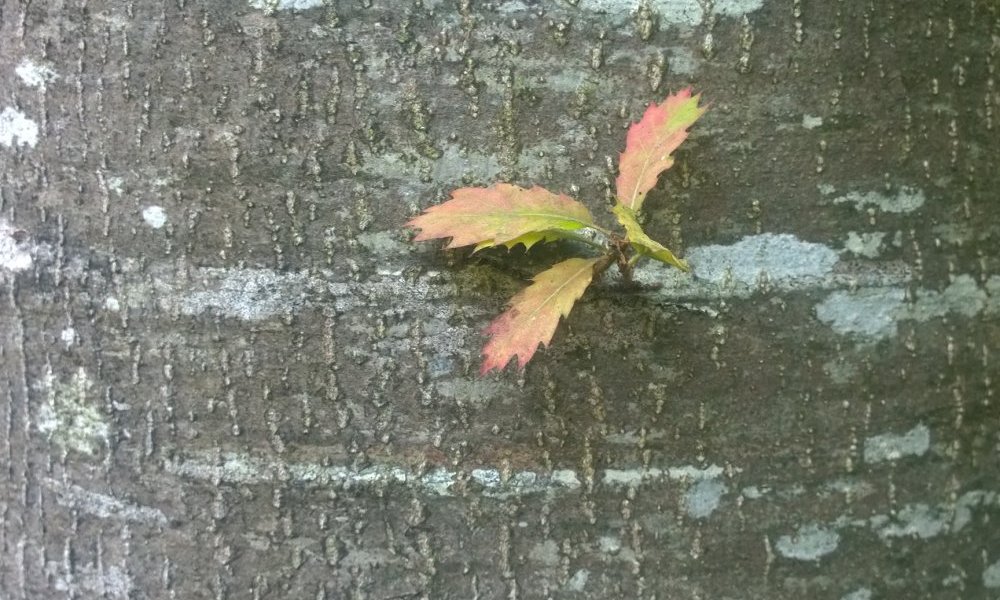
<point>534,313</point>
<point>649,145</point>
<point>502,214</point>
<point>642,243</point>
<point>528,239</point>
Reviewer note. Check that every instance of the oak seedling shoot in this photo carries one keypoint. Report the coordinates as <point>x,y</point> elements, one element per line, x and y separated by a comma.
<point>507,215</point>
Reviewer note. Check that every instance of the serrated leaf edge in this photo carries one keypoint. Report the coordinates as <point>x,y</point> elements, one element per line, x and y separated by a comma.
<point>428,231</point>
<point>499,363</point>
<point>635,199</point>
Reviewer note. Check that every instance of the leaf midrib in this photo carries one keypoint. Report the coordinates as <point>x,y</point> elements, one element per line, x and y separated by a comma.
<point>642,171</point>
<point>588,265</point>
<point>558,216</point>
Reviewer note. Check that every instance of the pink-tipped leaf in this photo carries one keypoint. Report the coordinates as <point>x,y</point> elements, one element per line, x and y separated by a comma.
<point>650,144</point>
<point>502,214</point>
<point>534,313</point>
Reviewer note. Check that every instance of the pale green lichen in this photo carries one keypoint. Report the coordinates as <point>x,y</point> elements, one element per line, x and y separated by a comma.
<point>904,200</point>
<point>68,418</point>
<point>704,497</point>
<point>892,446</point>
<point>867,244</point>
<point>810,542</point>
<point>991,575</point>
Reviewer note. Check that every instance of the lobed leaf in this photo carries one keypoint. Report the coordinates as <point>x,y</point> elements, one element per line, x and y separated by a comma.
<point>642,243</point>
<point>649,145</point>
<point>527,240</point>
<point>502,214</point>
<point>534,313</point>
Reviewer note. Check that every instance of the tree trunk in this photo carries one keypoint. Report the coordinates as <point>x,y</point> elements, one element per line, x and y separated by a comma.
<point>226,371</point>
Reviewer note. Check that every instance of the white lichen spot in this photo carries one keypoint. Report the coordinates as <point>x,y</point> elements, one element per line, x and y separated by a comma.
<point>248,294</point>
<point>826,189</point>
<point>103,505</point>
<point>906,199</point>
<point>839,371</point>
<point>923,521</point>
<point>116,184</point>
<point>545,553</point>
<point>565,478</point>
<point>35,75</point>
<point>811,122</point>
<point>15,254</point>
<point>241,468</point>
<point>869,312</point>
<point>867,244</point>
<point>968,502</point>
<point>439,481</point>
<point>578,581</point>
<point>638,476</point>
<point>256,294</point>
<point>963,296</point>
<point>683,61</point>
<point>88,581</point>
<point>991,575</point>
<point>774,258</point>
<point>704,497</point>
<point>285,4</point>
<point>154,216</point>
<point>874,312</point>
<point>383,243</point>
<point>68,417</point>
<point>810,542</point>
<point>734,8</point>
<point>454,164</point>
<point>16,129</point>
<point>487,478</point>
<point>688,13</point>
<point>609,544</point>
<point>476,392</point>
<point>68,336</point>
<point>890,446</point>
<point>111,303</point>
<point>917,521</point>
<point>858,594</point>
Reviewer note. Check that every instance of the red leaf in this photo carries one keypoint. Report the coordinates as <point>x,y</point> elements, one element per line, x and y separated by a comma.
<point>649,145</point>
<point>534,313</point>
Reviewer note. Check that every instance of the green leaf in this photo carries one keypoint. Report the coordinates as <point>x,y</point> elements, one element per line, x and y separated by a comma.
<point>528,239</point>
<point>642,243</point>
<point>502,214</point>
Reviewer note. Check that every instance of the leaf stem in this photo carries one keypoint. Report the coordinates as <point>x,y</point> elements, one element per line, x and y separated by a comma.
<point>580,238</point>
<point>603,264</point>
<point>607,232</point>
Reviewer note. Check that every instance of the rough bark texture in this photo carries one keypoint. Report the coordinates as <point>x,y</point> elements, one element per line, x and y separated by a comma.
<point>226,373</point>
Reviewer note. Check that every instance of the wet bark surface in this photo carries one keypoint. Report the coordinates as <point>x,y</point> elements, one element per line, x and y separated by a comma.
<point>225,371</point>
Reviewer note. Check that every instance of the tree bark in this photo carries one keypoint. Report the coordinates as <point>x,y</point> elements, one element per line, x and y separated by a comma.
<point>226,372</point>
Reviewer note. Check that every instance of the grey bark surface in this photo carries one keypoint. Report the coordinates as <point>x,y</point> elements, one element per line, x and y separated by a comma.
<point>225,371</point>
